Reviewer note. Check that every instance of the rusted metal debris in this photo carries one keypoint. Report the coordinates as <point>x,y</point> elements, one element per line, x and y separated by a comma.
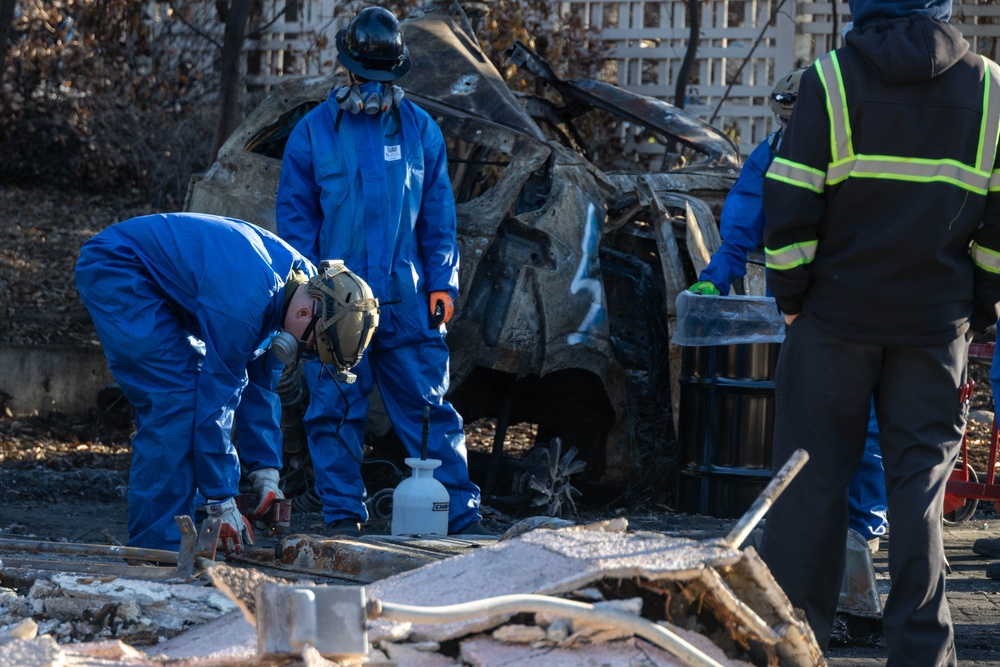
<point>77,549</point>
<point>363,560</point>
<point>197,552</point>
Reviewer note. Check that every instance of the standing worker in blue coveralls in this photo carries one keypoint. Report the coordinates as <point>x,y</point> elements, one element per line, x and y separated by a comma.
<point>186,306</point>
<point>365,178</point>
<point>742,228</point>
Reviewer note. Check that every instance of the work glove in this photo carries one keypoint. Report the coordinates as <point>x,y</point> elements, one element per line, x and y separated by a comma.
<point>265,487</point>
<point>235,532</point>
<point>442,309</point>
<point>705,287</point>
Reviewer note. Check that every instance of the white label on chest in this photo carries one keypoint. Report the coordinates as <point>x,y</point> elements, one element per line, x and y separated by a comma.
<point>392,153</point>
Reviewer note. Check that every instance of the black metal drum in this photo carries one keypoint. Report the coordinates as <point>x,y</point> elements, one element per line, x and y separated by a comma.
<point>725,429</point>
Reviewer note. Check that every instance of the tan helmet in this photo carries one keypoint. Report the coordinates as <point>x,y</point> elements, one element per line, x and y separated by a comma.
<point>785,91</point>
<point>349,318</point>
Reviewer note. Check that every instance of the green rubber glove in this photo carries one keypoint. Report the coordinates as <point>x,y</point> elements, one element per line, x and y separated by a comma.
<point>705,287</point>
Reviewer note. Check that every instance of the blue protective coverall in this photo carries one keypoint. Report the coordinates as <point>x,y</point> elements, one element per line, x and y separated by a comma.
<point>185,305</point>
<point>379,197</point>
<point>742,221</point>
<point>742,228</point>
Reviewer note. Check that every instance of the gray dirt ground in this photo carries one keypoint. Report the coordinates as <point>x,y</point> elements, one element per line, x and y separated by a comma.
<point>974,599</point>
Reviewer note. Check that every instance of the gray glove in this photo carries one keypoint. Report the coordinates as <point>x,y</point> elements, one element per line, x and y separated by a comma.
<point>235,532</point>
<point>265,487</point>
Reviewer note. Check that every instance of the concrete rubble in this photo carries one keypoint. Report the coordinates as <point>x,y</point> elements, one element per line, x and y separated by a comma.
<point>721,600</point>
<point>106,607</point>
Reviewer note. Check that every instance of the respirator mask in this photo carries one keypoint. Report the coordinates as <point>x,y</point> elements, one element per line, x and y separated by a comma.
<point>353,100</point>
<point>381,98</point>
<point>288,350</point>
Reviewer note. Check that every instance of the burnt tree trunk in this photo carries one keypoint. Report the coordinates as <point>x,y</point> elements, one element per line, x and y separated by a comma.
<point>230,80</point>
<point>684,73</point>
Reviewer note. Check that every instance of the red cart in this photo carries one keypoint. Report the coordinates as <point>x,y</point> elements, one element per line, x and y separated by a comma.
<point>964,490</point>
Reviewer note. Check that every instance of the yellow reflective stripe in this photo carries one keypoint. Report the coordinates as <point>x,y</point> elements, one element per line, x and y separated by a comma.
<point>790,256</point>
<point>796,174</point>
<point>984,258</point>
<point>990,132</point>
<point>841,145</point>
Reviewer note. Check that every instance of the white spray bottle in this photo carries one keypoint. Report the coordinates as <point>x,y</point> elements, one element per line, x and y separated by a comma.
<point>420,503</point>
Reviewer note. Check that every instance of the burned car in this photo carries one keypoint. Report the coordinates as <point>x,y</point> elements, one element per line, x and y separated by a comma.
<point>568,272</point>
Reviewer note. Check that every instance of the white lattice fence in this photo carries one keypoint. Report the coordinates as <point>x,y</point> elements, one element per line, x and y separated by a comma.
<point>288,37</point>
<point>978,21</point>
<point>744,45</point>
<point>299,41</point>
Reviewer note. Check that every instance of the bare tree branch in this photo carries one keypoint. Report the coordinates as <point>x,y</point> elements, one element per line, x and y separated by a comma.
<point>180,17</point>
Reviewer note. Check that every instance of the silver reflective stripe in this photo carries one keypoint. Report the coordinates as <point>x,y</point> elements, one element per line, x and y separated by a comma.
<point>984,258</point>
<point>839,171</point>
<point>796,174</point>
<point>841,145</point>
<point>921,170</point>
<point>995,181</point>
<point>991,116</point>
<point>790,256</point>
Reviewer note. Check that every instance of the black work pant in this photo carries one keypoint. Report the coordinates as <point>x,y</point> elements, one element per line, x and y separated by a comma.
<point>823,386</point>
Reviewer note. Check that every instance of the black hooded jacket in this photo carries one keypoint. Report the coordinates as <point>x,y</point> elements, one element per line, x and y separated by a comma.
<point>892,257</point>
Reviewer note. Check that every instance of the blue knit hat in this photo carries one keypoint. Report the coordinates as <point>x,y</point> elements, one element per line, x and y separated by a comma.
<point>863,11</point>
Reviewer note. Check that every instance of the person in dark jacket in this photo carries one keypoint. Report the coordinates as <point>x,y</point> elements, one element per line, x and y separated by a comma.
<point>883,251</point>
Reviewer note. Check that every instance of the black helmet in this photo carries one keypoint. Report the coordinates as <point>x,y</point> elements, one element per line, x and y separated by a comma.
<point>371,46</point>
